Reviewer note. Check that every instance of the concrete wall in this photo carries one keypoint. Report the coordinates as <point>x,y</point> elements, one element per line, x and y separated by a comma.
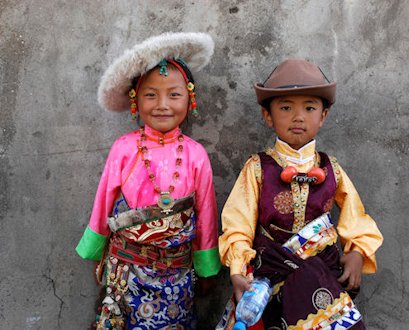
<point>54,137</point>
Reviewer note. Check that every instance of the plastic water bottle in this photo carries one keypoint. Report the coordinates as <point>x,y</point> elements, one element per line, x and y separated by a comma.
<point>252,304</point>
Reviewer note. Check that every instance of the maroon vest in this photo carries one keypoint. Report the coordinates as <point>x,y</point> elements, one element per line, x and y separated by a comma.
<point>276,201</point>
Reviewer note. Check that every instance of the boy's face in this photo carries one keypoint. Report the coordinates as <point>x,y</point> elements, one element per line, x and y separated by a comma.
<point>163,101</point>
<point>296,119</point>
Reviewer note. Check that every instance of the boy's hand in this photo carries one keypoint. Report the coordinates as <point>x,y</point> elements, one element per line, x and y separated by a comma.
<point>240,284</point>
<point>352,263</point>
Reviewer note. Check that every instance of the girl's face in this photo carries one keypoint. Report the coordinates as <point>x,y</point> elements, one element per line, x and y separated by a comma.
<point>296,119</point>
<point>163,101</point>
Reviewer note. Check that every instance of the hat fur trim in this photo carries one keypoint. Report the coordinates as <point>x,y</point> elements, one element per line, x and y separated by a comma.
<point>194,48</point>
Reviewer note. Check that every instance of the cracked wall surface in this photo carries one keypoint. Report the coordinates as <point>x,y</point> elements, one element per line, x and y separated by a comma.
<point>54,138</point>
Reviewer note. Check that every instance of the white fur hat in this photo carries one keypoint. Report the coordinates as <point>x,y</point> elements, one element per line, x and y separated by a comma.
<point>194,48</point>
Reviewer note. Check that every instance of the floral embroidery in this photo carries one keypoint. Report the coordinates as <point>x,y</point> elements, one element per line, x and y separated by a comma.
<point>321,298</point>
<point>283,202</point>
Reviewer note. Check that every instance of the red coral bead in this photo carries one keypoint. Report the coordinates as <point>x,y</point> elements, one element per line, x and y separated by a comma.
<point>317,173</point>
<point>288,173</point>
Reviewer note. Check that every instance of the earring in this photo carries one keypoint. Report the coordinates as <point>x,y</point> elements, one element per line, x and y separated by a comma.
<point>192,96</point>
<point>134,106</point>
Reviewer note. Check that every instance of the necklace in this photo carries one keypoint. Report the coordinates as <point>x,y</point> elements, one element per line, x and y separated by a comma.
<point>289,173</point>
<point>165,201</point>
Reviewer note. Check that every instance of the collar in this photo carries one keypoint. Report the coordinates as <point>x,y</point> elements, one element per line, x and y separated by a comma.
<point>301,156</point>
<point>161,138</point>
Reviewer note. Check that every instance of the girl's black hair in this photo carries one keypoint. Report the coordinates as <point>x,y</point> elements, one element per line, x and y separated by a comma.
<point>186,69</point>
<point>182,64</point>
<point>134,82</point>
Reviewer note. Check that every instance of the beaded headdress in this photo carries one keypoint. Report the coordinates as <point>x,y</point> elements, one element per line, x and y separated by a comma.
<point>184,50</point>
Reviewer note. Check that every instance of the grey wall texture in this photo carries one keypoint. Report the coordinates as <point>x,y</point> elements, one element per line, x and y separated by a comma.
<point>54,137</point>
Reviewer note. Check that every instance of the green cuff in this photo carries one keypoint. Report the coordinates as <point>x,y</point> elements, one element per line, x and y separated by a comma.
<point>91,245</point>
<point>206,262</point>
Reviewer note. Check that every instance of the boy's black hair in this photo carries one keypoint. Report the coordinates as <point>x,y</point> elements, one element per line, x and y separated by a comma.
<point>266,104</point>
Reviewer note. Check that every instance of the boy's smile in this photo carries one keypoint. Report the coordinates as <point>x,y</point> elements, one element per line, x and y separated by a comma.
<point>296,119</point>
<point>163,100</point>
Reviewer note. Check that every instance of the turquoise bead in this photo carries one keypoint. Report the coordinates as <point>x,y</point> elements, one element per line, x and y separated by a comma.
<point>166,201</point>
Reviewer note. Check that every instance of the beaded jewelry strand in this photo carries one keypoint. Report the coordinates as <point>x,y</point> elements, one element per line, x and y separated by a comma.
<point>166,201</point>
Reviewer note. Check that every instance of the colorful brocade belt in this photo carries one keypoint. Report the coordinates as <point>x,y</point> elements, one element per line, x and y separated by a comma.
<point>312,238</point>
<point>140,254</point>
<point>142,215</point>
<point>148,255</point>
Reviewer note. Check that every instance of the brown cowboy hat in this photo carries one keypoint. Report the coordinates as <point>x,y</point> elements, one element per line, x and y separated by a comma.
<point>295,77</point>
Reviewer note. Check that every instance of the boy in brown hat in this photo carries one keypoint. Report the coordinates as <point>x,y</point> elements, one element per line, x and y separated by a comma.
<point>276,221</point>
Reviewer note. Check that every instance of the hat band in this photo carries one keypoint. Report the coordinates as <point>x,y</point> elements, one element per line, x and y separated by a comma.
<point>176,64</point>
<point>291,86</point>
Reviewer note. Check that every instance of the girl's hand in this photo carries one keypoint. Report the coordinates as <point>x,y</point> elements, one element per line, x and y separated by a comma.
<point>240,284</point>
<point>352,263</point>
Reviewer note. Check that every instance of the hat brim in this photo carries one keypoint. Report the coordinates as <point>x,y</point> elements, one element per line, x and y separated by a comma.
<point>194,48</point>
<point>326,91</point>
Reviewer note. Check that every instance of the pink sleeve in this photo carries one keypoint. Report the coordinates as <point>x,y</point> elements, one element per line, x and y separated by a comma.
<point>108,189</point>
<point>206,207</point>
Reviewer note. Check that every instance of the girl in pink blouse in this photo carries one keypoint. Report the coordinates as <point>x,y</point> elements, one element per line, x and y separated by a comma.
<point>154,220</point>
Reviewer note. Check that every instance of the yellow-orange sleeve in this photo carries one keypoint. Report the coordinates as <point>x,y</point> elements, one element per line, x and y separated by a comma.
<point>239,219</point>
<point>357,230</point>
